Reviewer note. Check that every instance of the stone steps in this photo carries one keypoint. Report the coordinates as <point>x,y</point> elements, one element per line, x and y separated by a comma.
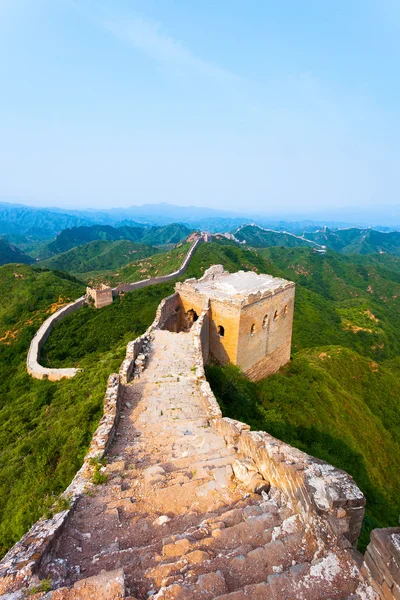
<point>174,519</point>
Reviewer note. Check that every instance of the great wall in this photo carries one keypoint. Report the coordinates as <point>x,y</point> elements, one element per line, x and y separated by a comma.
<point>102,297</point>
<point>194,505</point>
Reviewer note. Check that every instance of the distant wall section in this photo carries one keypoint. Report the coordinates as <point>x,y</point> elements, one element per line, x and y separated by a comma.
<point>102,296</point>
<point>129,287</point>
<point>32,362</point>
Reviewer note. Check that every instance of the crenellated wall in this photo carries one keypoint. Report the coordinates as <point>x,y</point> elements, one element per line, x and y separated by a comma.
<point>168,316</point>
<point>312,485</point>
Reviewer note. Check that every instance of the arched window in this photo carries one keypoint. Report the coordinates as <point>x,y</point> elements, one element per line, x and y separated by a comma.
<point>285,310</point>
<point>275,315</point>
<point>265,322</point>
<point>221,330</point>
<point>252,329</point>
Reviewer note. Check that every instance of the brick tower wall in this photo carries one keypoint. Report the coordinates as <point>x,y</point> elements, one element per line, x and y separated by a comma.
<point>265,334</point>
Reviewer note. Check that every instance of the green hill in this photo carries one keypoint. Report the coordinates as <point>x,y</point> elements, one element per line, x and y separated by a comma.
<point>152,236</point>
<point>152,266</point>
<point>257,237</point>
<point>46,427</point>
<point>338,398</point>
<point>11,254</point>
<point>345,241</point>
<point>99,256</point>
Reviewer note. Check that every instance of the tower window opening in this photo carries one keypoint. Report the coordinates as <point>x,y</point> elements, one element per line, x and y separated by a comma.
<point>275,315</point>
<point>192,316</point>
<point>252,329</point>
<point>285,309</point>
<point>265,322</point>
<point>221,330</point>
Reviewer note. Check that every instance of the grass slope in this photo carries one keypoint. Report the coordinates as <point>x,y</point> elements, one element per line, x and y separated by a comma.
<point>46,427</point>
<point>339,397</point>
<point>154,266</point>
<point>99,255</point>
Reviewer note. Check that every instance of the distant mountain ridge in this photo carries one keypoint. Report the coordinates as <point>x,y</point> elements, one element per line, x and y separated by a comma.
<point>345,241</point>
<point>45,223</point>
<point>151,236</point>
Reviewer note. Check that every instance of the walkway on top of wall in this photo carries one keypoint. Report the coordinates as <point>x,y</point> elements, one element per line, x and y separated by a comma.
<point>36,370</point>
<point>172,522</point>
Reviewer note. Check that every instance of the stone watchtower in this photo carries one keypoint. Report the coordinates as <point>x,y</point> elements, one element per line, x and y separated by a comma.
<point>251,317</point>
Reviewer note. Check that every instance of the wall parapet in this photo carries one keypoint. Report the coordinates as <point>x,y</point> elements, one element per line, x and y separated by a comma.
<point>166,317</point>
<point>381,565</point>
<point>33,365</point>
<point>129,287</point>
<point>20,565</point>
<point>311,485</point>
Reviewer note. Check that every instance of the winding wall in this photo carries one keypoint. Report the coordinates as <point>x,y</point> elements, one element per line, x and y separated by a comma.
<point>129,287</point>
<point>33,366</point>
<point>36,370</point>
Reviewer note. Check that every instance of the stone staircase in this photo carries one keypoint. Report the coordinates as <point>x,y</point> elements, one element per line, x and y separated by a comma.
<point>173,522</point>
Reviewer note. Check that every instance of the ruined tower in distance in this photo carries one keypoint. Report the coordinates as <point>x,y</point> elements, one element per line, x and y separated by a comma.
<point>250,317</point>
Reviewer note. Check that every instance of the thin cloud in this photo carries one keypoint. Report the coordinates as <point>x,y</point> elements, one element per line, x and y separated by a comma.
<point>150,38</point>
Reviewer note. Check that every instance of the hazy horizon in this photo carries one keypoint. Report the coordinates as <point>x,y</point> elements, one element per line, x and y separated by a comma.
<point>275,107</point>
<point>382,216</point>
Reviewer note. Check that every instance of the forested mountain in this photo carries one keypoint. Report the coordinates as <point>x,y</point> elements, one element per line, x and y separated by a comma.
<point>11,254</point>
<point>35,223</point>
<point>358,241</point>
<point>257,237</point>
<point>99,256</point>
<point>345,241</point>
<point>152,236</point>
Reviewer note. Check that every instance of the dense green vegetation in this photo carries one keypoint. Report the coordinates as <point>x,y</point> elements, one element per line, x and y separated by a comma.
<point>11,254</point>
<point>46,427</point>
<point>257,237</point>
<point>358,241</point>
<point>345,241</point>
<point>338,399</point>
<point>152,236</point>
<point>99,255</point>
<point>154,266</point>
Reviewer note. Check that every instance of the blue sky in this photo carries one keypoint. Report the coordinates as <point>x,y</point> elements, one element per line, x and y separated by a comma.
<point>224,103</point>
